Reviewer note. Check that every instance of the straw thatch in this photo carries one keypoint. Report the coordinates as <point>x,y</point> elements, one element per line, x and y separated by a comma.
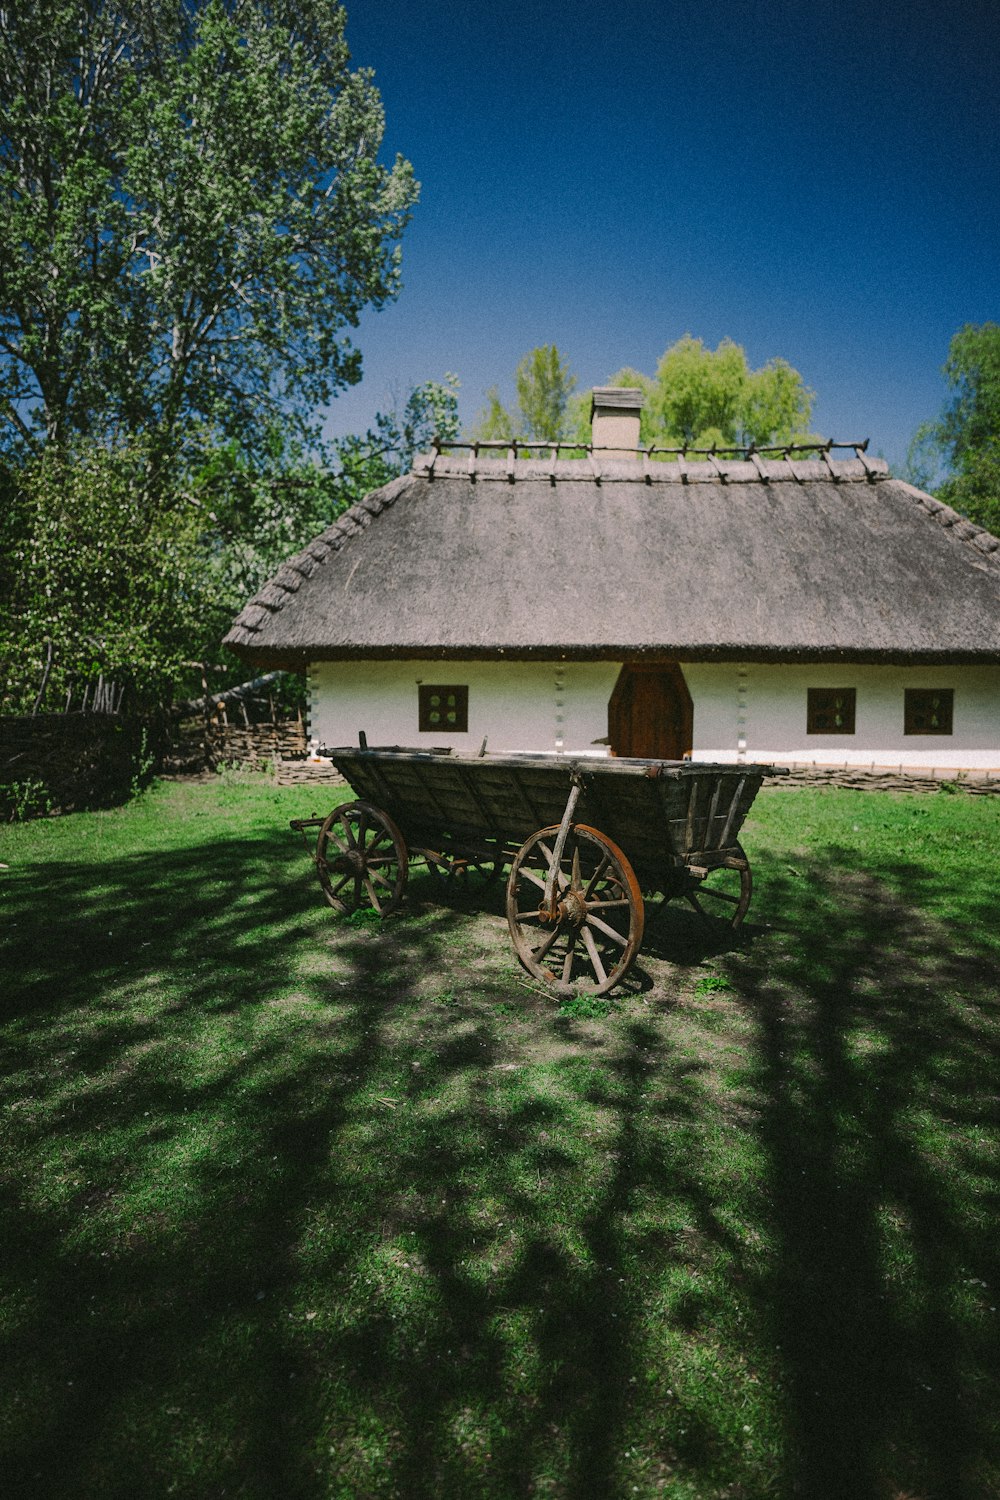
<point>777,560</point>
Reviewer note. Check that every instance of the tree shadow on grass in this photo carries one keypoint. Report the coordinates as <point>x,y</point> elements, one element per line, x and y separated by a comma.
<point>287,1213</point>
<point>876,1099</point>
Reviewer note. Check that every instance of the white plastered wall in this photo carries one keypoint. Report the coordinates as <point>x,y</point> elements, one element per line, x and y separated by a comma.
<point>758,712</point>
<point>542,706</point>
<point>742,711</point>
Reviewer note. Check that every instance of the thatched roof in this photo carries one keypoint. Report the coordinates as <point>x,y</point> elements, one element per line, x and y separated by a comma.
<point>780,560</point>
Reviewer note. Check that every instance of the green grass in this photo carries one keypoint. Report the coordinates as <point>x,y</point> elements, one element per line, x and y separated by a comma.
<point>299,1206</point>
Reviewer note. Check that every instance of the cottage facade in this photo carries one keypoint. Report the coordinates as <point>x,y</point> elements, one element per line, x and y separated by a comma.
<point>801,608</point>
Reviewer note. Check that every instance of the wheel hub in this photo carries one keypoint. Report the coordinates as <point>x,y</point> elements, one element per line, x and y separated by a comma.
<point>349,861</point>
<point>573,908</point>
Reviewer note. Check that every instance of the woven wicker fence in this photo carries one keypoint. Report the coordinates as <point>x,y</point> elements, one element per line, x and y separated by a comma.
<point>56,763</point>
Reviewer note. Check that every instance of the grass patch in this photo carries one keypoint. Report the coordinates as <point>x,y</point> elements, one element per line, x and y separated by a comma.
<point>296,1205</point>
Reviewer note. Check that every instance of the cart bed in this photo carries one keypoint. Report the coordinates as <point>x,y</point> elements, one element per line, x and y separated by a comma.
<point>662,814</point>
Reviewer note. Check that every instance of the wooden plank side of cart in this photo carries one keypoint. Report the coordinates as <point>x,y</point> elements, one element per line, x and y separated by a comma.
<point>659,812</point>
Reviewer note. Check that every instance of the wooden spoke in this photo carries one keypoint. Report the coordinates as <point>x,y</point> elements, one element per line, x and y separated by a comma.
<point>730,884</point>
<point>596,876</point>
<point>621,938</point>
<point>597,918</point>
<point>359,847</point>
<point>544,946</point>
<point>720,895</point>
<point>595,957</point>
<point>535,879</point>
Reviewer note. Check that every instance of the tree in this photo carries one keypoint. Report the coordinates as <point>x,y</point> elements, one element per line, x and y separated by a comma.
<point>256,512</point>
<point>703,398</point>
<point>959,454</point>
<point>102,574</point>
<point>699,398</point>
<point>544,384</point>
<point>192,216</point>
<point>95,580</point>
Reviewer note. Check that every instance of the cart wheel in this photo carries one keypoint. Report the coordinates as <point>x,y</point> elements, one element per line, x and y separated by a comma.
<point>593,935</point>
<point>361,859</point>
<point>461,869</point>
<point>724,893</point>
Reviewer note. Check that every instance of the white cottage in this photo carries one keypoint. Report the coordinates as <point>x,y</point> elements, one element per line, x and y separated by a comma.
<point>788,608</point>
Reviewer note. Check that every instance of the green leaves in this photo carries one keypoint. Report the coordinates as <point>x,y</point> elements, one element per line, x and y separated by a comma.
<point>113,580</point>
<point>964,443</point>
<point>544,384</point>
<point>699,397</point>
<point>192,216</point>
<point>705,397</point>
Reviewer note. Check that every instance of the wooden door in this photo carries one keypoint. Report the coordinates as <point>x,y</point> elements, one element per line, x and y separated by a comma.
<point>650,714</point>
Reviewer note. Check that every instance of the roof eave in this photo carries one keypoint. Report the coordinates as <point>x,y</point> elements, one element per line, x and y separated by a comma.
<point>299,658</point>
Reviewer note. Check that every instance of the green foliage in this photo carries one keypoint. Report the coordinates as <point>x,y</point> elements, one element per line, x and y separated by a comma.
<point>585,1007</point>
<point>964,443</point>
<point>699,397</point>
<point>101,567</point>
<point>362,463</point>
<point>703,398</point>
<point>494,423</point>
<point>131,577</point>
<point>544,385</point>
<point>697,393</point>
<point>971,423</point>
<point>711,983</point>
<point>24,799</point>
<point>192,216</point>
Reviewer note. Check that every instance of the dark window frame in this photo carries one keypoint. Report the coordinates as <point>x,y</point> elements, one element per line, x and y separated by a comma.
<point>426,708</point>
<point>822,706</point>
<point>917,709</point>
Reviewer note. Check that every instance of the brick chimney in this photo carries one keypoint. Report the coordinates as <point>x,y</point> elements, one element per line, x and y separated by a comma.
<point>614,417</point>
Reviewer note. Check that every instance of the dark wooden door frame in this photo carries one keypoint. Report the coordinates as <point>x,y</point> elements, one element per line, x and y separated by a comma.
<point>650,712</point>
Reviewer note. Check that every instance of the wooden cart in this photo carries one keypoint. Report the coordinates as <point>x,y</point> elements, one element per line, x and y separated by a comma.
<point>583,839</point>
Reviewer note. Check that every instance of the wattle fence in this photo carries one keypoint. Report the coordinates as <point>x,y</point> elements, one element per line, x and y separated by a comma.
<point>64,762</point>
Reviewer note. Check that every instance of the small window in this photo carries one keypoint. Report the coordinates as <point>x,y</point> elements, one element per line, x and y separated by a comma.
<point>830,711</point>
<point>443,708</point>
<point>928,710</point>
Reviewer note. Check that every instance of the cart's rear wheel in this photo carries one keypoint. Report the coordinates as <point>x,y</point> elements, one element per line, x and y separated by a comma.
<point>590,938</point>
<point>724,892</point>
<point>361,859</point>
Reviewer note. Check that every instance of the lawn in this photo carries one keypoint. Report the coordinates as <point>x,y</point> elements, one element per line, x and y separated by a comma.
<point>299,1206</point>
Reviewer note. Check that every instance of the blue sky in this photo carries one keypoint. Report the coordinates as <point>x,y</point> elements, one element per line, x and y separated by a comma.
<point>816,179</point>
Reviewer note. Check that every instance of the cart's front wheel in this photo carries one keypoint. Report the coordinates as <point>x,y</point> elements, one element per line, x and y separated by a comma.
<point>589,936</point>
<point>361,859</point>
<point>724,891</point>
